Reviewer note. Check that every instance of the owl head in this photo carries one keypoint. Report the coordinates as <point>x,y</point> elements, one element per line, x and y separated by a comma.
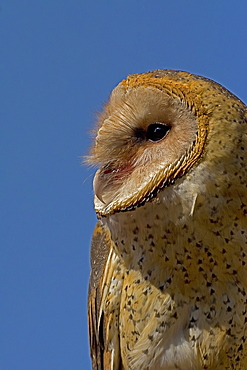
<point>166,126</point>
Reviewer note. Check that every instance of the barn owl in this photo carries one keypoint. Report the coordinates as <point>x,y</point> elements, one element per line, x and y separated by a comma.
<point>168,287</point>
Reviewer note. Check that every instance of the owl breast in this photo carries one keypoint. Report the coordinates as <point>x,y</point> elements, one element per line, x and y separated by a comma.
<point>178,310</point>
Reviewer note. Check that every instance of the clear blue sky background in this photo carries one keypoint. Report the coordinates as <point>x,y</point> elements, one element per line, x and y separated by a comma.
<point>59,61</point>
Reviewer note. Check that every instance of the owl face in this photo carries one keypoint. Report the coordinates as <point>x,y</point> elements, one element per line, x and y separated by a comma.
<point>149,135</point>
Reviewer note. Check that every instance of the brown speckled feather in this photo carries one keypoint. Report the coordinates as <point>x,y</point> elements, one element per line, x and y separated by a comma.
<point>103,317</point>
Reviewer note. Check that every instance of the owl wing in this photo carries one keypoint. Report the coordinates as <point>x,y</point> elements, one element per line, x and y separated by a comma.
<point>104,298</point>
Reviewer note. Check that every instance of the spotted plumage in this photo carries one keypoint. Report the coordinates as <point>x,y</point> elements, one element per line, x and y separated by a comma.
<point>169,277</point>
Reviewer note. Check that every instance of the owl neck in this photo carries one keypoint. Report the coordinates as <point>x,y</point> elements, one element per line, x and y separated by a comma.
<point>187,236</point>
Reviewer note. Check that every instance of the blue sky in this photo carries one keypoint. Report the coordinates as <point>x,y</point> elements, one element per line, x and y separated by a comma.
<point>59,61</point>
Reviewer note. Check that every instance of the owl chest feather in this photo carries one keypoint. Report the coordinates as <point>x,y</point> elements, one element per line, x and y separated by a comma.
<point>183,301</point>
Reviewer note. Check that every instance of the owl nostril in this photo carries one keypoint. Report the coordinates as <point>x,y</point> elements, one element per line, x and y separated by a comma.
<point>157,131</point>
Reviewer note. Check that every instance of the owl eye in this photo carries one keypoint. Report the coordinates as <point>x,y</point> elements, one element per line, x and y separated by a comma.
<point>157,131</point>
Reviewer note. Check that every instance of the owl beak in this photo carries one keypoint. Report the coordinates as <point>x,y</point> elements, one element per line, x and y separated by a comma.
<point>99,186</point>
